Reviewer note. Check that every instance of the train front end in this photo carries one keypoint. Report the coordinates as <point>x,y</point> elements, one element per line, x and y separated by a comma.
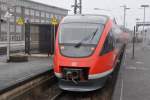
<point>77,61</point>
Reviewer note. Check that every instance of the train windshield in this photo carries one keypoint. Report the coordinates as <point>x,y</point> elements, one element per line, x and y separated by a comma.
<point>77,33</point>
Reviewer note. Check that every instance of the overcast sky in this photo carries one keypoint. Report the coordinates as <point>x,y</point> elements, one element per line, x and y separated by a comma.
<point>113,5</point>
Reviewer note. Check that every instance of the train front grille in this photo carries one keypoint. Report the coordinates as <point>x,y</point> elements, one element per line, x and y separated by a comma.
<point>77,74</point>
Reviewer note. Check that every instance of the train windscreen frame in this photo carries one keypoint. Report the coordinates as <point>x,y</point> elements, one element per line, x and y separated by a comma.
<point>75,32</point>
<point>79,38</point>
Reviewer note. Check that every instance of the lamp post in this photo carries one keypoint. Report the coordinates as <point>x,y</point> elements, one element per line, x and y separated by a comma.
<point>77,7</point>
<point>124,19</point>
<point>144,34</point>
<point>8,16</point>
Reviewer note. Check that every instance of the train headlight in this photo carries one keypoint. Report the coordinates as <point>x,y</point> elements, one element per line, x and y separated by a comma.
<point>62,47</point>
<point>92,48</point>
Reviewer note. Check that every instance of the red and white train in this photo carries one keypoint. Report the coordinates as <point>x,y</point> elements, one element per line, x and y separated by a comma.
<point>87,50</point>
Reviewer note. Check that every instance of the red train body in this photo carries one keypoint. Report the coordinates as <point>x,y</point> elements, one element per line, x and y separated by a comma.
<point>86,51</point>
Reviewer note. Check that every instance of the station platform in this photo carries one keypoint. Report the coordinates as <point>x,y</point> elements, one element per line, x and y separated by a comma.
<point>133,81</point>
<point>13,73</point>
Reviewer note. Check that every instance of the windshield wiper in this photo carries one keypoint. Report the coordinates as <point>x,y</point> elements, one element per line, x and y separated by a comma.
<point>86,38</point>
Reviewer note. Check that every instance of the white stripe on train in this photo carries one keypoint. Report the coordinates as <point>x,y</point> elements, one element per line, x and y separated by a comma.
<point>94,76</point>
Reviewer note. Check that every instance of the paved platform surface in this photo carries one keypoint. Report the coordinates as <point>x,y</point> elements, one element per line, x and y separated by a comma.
<point>134,77</point>
<point>12,73</point>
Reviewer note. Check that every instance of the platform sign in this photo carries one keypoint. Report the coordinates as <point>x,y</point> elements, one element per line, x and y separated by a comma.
<point>54,21</point>
<point>20,21</point>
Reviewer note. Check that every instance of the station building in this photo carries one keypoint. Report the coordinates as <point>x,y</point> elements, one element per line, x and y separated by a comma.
<point>32,11</point>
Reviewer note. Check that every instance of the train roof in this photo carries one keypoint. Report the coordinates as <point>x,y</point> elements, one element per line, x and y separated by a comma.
<point>100,19</point>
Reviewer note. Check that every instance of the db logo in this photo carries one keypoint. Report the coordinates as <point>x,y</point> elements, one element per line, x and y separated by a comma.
<point>74,64</point>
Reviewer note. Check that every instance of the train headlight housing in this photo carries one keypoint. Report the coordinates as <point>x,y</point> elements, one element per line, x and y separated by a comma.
<point>62,47</point>
<point>92,48</point>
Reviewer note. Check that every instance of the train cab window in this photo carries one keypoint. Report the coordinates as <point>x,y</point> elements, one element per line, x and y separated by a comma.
<point>111,40</point>
<point>109,44</point>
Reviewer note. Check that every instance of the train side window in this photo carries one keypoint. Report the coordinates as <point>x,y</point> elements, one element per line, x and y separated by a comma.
<point>111,40</point>
<point>108,44</point>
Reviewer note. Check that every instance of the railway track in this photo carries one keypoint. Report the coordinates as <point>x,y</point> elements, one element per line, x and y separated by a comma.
<point>58,95</point>
<point>102,94</point>
<point>45,87</point>
<point>19,90</point>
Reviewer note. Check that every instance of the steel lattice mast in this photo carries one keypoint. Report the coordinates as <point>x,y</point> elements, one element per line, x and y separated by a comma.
<point>77,7</point>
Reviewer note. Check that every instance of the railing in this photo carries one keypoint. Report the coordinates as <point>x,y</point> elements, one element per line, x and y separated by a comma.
<point>3,37</point>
